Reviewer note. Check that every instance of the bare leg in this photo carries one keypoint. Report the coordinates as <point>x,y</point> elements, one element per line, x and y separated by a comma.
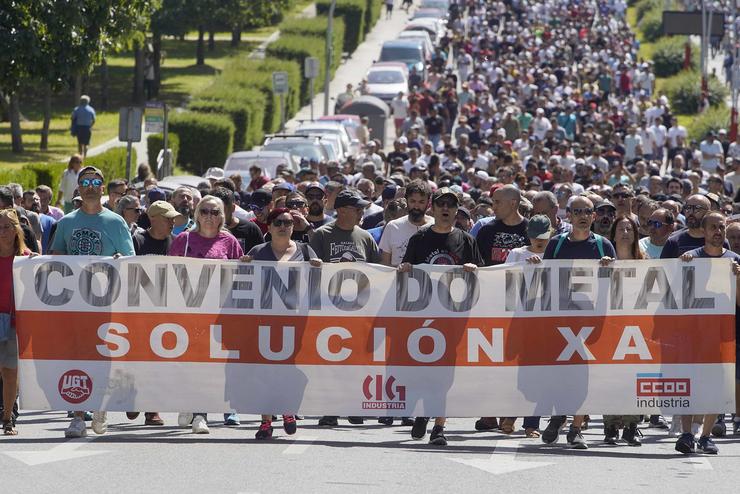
<point>10,391</point>
<point>709,421</point>
<point>440,421</point>
<point>577,421</point>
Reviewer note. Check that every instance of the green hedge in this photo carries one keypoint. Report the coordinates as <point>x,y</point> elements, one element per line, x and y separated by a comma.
<point>317,27</point>
<point>113,163</point>
<point>715,118</point>
<point>651,25</point>
<point>251,99</point>
<point>23,176</point>
<point>668,56</point>
<point>47,173</point>
<point>154,143</point>
<point>206,139</point>
<point>684,92</point>
<point>372,14</point>
<point>642,7</point>
<point>353,13</point>
<point>298,48</point>
<point>236,110</point>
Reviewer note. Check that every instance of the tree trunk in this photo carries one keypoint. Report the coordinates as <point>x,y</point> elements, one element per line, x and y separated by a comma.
<point>15,124</point>
<point>78,89</point>
<point>44,145</point>
<point>104,84</point>
<point>138,94</point>
<point>211,41</point>
<point>236,37</point>
<point>200,56</point>
<point>156,58</point>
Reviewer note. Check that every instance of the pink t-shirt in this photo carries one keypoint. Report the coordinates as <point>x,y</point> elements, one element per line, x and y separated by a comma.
<point>222,246</point>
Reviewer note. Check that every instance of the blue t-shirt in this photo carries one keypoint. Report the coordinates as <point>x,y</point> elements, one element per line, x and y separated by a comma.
<point>47,222</point>
<point>583,249</point>
<point>681,242</point>
<point>101,234</point>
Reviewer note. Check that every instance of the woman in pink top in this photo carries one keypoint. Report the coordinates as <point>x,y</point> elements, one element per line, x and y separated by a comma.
<point>208,239</point>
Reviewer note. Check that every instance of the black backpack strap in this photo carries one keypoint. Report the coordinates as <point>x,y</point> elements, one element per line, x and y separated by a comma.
<point>306,254</point>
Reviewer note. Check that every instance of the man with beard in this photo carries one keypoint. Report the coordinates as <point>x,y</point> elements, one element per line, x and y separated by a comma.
<point>316,198</point>
<point>661,225</point>
<point>691,237</point>
<point>32,202</point>
<point>606,213</point>
<point>182,200</point>
<point>508,231</point>
<point>397,233</point>
<point>623,195</point>
<point>440,243</point>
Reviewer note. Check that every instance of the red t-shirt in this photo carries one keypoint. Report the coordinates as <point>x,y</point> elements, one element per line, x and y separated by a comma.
<point>7,304</point>
<point>263,226</point>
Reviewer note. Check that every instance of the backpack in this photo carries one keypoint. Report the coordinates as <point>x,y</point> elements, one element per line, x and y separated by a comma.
<point>599,244</point>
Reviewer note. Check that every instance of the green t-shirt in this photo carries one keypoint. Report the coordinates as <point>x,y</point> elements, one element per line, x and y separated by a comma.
<point>101,234</point>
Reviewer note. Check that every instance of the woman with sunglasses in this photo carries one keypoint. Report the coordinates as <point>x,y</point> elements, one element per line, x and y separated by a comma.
<point>129,208</point>
<point>298,206</point>
<point>280,248</point>
<point>207,239</point>
<point>11,245</point>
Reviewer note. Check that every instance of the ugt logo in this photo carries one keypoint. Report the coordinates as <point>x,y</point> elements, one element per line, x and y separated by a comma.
<point>75,386</point>
<point>383,395</point>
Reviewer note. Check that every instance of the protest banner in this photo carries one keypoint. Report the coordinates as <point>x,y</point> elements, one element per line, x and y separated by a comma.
<point>562,337</point>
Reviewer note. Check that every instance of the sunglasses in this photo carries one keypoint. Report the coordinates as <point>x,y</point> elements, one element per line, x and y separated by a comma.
<point>90,182</point>
<point>657,224</point>
<point>211,212</point>
<point>138,210</point>
<point>581,211</point>
<point>256,207</point>
<point>446,203</point>
<point>279,223</point>
<point>314,197</point>
<point>621,196</point>
<point>295,204</point>
<point>691,208</point>
<point>605,212</point>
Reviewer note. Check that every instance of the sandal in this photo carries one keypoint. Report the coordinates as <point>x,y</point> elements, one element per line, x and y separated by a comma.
<point>531,433</point>
<point>507,426</point>
<point>9,428</point>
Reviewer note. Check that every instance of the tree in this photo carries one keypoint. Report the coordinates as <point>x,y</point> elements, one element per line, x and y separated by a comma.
<point>170,19</point>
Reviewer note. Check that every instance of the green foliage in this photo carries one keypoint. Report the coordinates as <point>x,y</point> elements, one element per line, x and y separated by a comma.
<point>47,173</point>
<point>642,7</point>
<point>651,25</point>
<point>112,162</point>
<point>715,118</point>
<point>684,92</point>
<point>154,143</point>
<point>372,14</point>
<point>353,12</point>
<point>235,99</point>
<point>237,111</point>
<point>668,56</point>
<point>23,176</point>
<point>206,139</point>
<point>316,28</point>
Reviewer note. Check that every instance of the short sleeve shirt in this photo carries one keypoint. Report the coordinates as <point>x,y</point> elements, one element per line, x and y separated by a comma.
<point>101,234</point>
<point>396,237</point>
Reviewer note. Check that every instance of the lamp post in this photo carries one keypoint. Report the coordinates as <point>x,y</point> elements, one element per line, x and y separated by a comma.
<point>329,55</point>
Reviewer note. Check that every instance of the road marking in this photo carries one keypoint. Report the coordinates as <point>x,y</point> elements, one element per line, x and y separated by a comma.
<point>701,463</point>
<point>64,451</point>
<point>300,447</point>
<point>501,462</point>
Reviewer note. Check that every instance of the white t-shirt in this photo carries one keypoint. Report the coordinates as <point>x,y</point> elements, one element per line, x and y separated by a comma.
<point>400,107</point>
<point>630,146</point>
<point>673,132</point>
<point>710,164</point>
<point>396,235</point>
<point>68,185</point>
<point>520,254</point>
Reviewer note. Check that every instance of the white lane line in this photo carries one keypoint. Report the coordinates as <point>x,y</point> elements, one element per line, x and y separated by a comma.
<point>300,446</point>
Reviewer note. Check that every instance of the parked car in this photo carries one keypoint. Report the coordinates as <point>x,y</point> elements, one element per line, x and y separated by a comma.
<point>350,124</point>
<point>437,14</point>
<point>407,51</point>
<point>422,36</point>
<point>431,26</point>
<point>328,127</point>
<point>386,79</point>
<point>268,161</point>
<point>303,147</point>
<point>435,4</point>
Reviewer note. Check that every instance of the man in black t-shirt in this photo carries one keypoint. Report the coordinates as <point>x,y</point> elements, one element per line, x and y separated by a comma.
<point>246,232</point>
<point>156,240</point>
<point>508,231</point>
<point>691,237</point>
<point>440,243</point>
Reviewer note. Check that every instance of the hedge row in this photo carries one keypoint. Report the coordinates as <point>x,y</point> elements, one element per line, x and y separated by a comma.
<point>668,56</point>
<point>684,92</point>
<point>154,143</point>
<point>714,118</point>
<point>356,17</point>
<point>112,163</point>
<point>206,139</point>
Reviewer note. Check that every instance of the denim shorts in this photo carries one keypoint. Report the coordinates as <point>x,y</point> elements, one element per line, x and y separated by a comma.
<point>9,353</point>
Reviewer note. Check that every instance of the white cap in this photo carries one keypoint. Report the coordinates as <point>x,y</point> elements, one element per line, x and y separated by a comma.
<point>215,173</point>
<point>482,174</point>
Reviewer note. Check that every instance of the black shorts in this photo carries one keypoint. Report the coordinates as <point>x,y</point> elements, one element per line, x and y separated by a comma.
<point>83,135</point>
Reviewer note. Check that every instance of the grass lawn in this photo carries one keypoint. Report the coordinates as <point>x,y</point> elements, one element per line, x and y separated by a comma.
<point>180,79</point>
<point>646,48</point>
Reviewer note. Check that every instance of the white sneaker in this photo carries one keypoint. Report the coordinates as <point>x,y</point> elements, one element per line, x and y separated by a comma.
<point>76,428</point>
<point>184,419</point>
<point>200,426</point>
<point>676,428</point>
<point>100,422</point>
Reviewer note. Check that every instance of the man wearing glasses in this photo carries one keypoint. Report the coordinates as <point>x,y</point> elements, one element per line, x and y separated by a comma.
<point>91,230</point>
<point>260,203</point>
<point>692,237</point>
<point>316,198</point>
<point>660,225</point>
<point>580,243</point>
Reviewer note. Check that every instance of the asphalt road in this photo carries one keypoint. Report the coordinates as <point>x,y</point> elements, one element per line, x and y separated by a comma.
<point>351,458</point>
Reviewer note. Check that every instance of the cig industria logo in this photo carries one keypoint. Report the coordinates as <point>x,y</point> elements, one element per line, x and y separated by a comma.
<point>656,391</point>
<point>382,393</point>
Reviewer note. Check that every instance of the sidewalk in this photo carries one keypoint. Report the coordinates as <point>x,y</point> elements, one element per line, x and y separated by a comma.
<point>353,69</point>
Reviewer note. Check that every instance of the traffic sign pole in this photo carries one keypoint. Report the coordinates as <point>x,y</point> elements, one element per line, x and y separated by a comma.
<point>311,71</point>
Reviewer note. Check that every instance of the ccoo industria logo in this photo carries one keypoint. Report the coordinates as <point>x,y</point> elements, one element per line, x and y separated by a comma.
<point>383,393</point>
<point>656,391</point>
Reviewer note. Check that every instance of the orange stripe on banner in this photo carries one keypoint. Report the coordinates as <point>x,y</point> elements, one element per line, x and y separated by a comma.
<point>358,341</point>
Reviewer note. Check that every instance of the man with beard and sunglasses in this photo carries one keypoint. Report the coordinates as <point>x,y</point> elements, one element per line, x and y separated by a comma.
<point>691,237</point>
<point>606,213</point>
<point>397,233</point>
<point>182,200</point>
<point>316,198</point>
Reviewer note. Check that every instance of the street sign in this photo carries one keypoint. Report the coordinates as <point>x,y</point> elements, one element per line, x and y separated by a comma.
<point>280,82</point>
<point>129,124</point>
<point>311,68</point>
<point>154,117</point>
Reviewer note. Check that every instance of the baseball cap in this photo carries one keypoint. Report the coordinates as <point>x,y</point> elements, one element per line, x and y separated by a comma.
<point>314,185</point>
<point>260,197</point>
<point>91,169</point>
<point>389,192</point>
<point>445,191</point>
<point>351,198</point>
<point>215,173</point>
<point>162,208</point>
<point>284,186</point>
<point>482,174</point>
<point>539,226</point>
<point>155,194</point>
<point>464,212</point>
<point>606,203</point>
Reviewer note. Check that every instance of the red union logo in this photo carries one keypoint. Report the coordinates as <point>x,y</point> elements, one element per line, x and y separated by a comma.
<point>384,395</point>
<point>663,386</point>
<point>75,386</point>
